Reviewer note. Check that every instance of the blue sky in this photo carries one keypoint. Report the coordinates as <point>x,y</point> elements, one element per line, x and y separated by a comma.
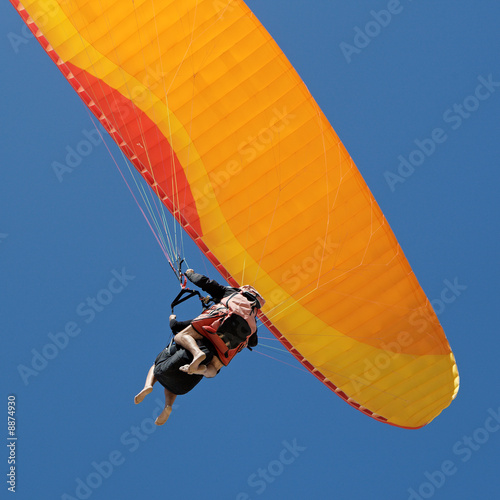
<point>262,429</point>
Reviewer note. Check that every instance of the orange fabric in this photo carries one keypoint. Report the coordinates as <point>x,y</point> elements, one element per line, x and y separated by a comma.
<point>211,112</point>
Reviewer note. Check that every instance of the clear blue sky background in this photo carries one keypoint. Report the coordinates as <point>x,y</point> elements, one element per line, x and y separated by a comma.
<point>61,241</point>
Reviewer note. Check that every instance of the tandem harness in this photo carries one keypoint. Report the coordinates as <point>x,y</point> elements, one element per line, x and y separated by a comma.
<point>229,324</point>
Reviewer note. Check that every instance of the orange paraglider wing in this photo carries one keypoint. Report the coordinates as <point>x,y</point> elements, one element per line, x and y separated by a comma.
<point>206,106</point>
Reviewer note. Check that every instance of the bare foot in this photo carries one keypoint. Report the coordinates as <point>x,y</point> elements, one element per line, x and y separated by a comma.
<point>147,390</point>
<point>163,416</point>
<point>195,364</point>
<point>199,371</point>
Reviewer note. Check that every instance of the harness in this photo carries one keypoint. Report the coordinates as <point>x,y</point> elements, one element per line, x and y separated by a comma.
<point>186,293</point>
<point>231,324</point>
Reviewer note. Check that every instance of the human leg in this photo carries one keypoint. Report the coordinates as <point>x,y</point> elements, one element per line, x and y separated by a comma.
<point>211,371</point>
<point>169,401</point>
<point>213,368</point>
<point>201,370</point>
<point>148,386</point>
<point>187,339</point>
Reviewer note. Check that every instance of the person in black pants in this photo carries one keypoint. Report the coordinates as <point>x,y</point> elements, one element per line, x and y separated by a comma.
<point>166,371</point>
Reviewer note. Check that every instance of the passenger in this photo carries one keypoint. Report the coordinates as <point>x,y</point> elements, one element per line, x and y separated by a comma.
<point>166,371</point>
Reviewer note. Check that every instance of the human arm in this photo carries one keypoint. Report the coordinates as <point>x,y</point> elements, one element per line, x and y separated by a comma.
<point>208,285</point>
<point>178,326</point>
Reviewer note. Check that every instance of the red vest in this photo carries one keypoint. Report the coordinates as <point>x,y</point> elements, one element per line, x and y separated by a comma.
<point>228,325</point>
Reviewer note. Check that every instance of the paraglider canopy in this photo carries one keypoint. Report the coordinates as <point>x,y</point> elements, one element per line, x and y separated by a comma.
<point>209,110</point>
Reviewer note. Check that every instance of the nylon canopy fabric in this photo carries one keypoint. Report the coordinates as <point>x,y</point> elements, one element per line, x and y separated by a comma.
<point>206,106</point>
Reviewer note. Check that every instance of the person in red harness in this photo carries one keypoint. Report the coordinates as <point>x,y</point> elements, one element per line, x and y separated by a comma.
<point>229,325</point>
